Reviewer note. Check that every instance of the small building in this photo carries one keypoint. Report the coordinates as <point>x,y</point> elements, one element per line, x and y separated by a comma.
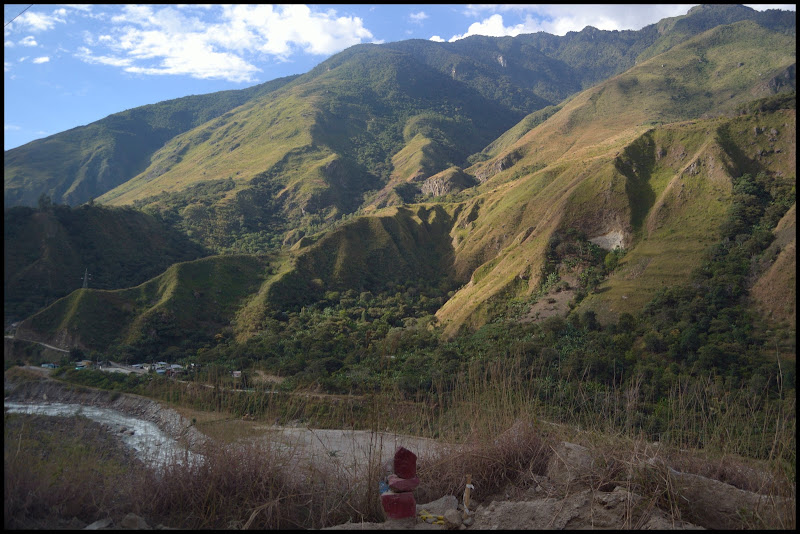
<point>49,365</point>
<point>237,374</point>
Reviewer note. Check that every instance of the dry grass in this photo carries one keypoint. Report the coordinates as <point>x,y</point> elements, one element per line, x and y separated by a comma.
<point>512,458</point>
<point>58,469</point>
<point>727,492</point>
<point>61,468</point>
<point>252,486</point>
<point>491,428</point>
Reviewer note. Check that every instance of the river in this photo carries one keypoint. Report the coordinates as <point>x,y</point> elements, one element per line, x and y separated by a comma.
<point>148,441</point>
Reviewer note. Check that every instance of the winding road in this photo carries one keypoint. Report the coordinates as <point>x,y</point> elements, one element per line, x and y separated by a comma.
<point>38,342</point>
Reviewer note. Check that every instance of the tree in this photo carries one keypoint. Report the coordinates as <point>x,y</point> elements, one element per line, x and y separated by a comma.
<point>590,320</point>
<point>45,202</point>
<point>76,354</point>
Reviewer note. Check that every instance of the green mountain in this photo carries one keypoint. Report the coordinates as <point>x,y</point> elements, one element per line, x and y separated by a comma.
<point>491,83</point>
<point>399,190</point>
<point>75,166</point>
<point>47,251</point>
<point>584,167</point>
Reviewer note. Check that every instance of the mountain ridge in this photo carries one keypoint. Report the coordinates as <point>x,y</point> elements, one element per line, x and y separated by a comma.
<point>366,213</point>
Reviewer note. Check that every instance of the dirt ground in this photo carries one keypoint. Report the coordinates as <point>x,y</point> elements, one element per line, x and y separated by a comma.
<point>555,303</point>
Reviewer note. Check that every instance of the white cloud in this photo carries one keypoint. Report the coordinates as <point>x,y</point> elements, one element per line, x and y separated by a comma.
<point>277,31</point>
<point>79,7</point>
<point>8,44</point>
<point>764,7</point>
<point>12,127</point>
<point>43,59</point>
<point>86,55</point>
<point>493,27</point>
<point>28,41</point>
<point>37,22</point>
<point>558,19</point>
<point>436,38</point>
<point>418,17</point>
<point>177,41</point>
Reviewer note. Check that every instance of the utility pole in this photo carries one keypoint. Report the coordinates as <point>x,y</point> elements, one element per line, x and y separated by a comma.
<point>86,277</point>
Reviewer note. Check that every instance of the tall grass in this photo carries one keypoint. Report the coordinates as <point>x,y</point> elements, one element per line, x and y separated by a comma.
<point>497,422</point>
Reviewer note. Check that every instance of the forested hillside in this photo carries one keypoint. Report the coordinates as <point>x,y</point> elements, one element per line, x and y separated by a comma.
<point>404,209</point>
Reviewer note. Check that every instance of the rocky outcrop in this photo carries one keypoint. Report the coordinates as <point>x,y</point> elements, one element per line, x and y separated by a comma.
<point>573,494</point>
<point>497,165</point>
<point>448,181</point>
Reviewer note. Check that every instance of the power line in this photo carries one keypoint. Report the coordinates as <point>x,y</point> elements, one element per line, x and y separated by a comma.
<point>20,13</point>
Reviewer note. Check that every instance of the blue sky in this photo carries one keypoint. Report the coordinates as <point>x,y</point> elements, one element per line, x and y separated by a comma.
<point>72,64</point>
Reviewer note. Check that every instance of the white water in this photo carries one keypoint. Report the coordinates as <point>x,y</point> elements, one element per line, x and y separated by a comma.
<point>145,438</point>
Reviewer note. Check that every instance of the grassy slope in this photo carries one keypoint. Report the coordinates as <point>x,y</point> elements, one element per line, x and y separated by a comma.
<point>354,108</point>
<point>691,200</point>
<point>201,298</point>
<point>84,162</point>
<point>568,174</point>
<point>775,291</point>
<point>46,252</point>
<point>592,165</point>
<point>192,300</point>
<point>230,146</point>
<point>368,253</point>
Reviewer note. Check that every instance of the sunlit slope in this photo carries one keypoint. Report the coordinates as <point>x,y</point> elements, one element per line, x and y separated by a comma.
<point>82,163</point>
<point>709,74</point>
<point>190,301</point>
<point>237,145</point>
<point>583,167</point>
<point>674,30</point>
<point>376,112</point>
<point>690,183</point>
<point>368,253</point>
<point>775,291</point>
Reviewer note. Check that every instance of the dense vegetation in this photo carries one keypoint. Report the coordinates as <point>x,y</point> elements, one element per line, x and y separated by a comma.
<point>247,224</point>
